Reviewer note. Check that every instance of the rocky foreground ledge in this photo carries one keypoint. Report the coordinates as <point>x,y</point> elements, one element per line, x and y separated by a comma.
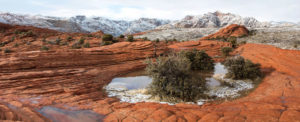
<point>76,79</point>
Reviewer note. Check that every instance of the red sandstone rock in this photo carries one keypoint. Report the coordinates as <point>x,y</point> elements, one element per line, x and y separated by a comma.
<point>76,78</point>
<point>233,30</point>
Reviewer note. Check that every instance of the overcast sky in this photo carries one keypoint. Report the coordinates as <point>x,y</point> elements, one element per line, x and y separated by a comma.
<point>263,10</point>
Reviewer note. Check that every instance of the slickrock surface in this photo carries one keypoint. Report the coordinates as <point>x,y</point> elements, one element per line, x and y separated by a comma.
<point>74,78</point>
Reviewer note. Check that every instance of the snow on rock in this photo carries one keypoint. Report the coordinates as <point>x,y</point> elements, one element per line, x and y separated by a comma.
<point>214,20</point>
<point>83,23</point>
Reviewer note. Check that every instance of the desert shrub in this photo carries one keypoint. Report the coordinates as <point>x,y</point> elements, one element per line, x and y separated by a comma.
<point>12,39</point>
<point>296,43</point>
<point>174,40</point>
<point>243,42</point>
<point>166,41</point>
<point>51,42</point>
<point>44,48</point>
<point>107,37</point>
<point>233,41</point>
<point>252,32</point>
<point>58,40</point>
<point>130,38</point>
<point>64,43</point>
<point>239,68</point>
<point>76,46</point>
<point>81,41</point>
<point>172,80</point>
<point>226,50</point>
<point>28,34</point>
<point>121,36</point>
<point>16,45</point>
<point>145,38</point>
<point>90,35</point>
<point>44,40</point>
<point>106,43</point>
<point>69,38</point>
<point>97,36</point>
<point>115,40</point>
<point>17,32</point>
<point>86,45</point>
<point>199,60</point>
<point>6,50</point>
<point>157,40</point>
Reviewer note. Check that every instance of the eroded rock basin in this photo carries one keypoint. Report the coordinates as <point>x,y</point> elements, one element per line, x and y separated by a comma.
<point>132,87</point>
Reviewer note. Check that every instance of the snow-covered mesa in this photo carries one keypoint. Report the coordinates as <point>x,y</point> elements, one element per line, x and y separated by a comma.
<point>218,19</point>
<point>83,23</point>
<point>116,27</point>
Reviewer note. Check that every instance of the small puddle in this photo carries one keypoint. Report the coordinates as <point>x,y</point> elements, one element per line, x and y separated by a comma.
<point>132,87</point>
<point>62,115</point>
<point>130,83</point>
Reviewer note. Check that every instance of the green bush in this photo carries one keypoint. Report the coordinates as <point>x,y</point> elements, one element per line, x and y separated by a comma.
<point>28,34</point>
<point>106,43</point>
<point>90,35</point>
<point>121,36</point>
<point>76,46</point>
<point>226,50</point>
<point>69,38</point>
<point>16,45</point>
<point>233,41</point>
<point>51,42</point>
<point>6,50</point>
<point>174,40</point>
<point>81,41</point>
<point>130,38</point>
<point>107,37</point>
<point>17,32</point>
<point>64,43</point>
<point>145,39</point>
<point>199,60</point>
<point>57,41</point>
<point>172,80</point>
<point>157,40</point>
<point>166,41</point>
<point>252,32</point>
<point>86,45</point>
<point>243,42</point>
<point>44,48</point>
<point>12,39</point>
<point>239,68</point>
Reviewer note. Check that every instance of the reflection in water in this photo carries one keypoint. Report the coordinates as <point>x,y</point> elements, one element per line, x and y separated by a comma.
<point>211,82</point>
<point>61,115</point>
<point>130,83</point>
<point>220,69</point>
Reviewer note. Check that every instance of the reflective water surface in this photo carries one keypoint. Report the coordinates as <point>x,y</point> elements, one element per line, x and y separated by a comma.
<point>62,115</point>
